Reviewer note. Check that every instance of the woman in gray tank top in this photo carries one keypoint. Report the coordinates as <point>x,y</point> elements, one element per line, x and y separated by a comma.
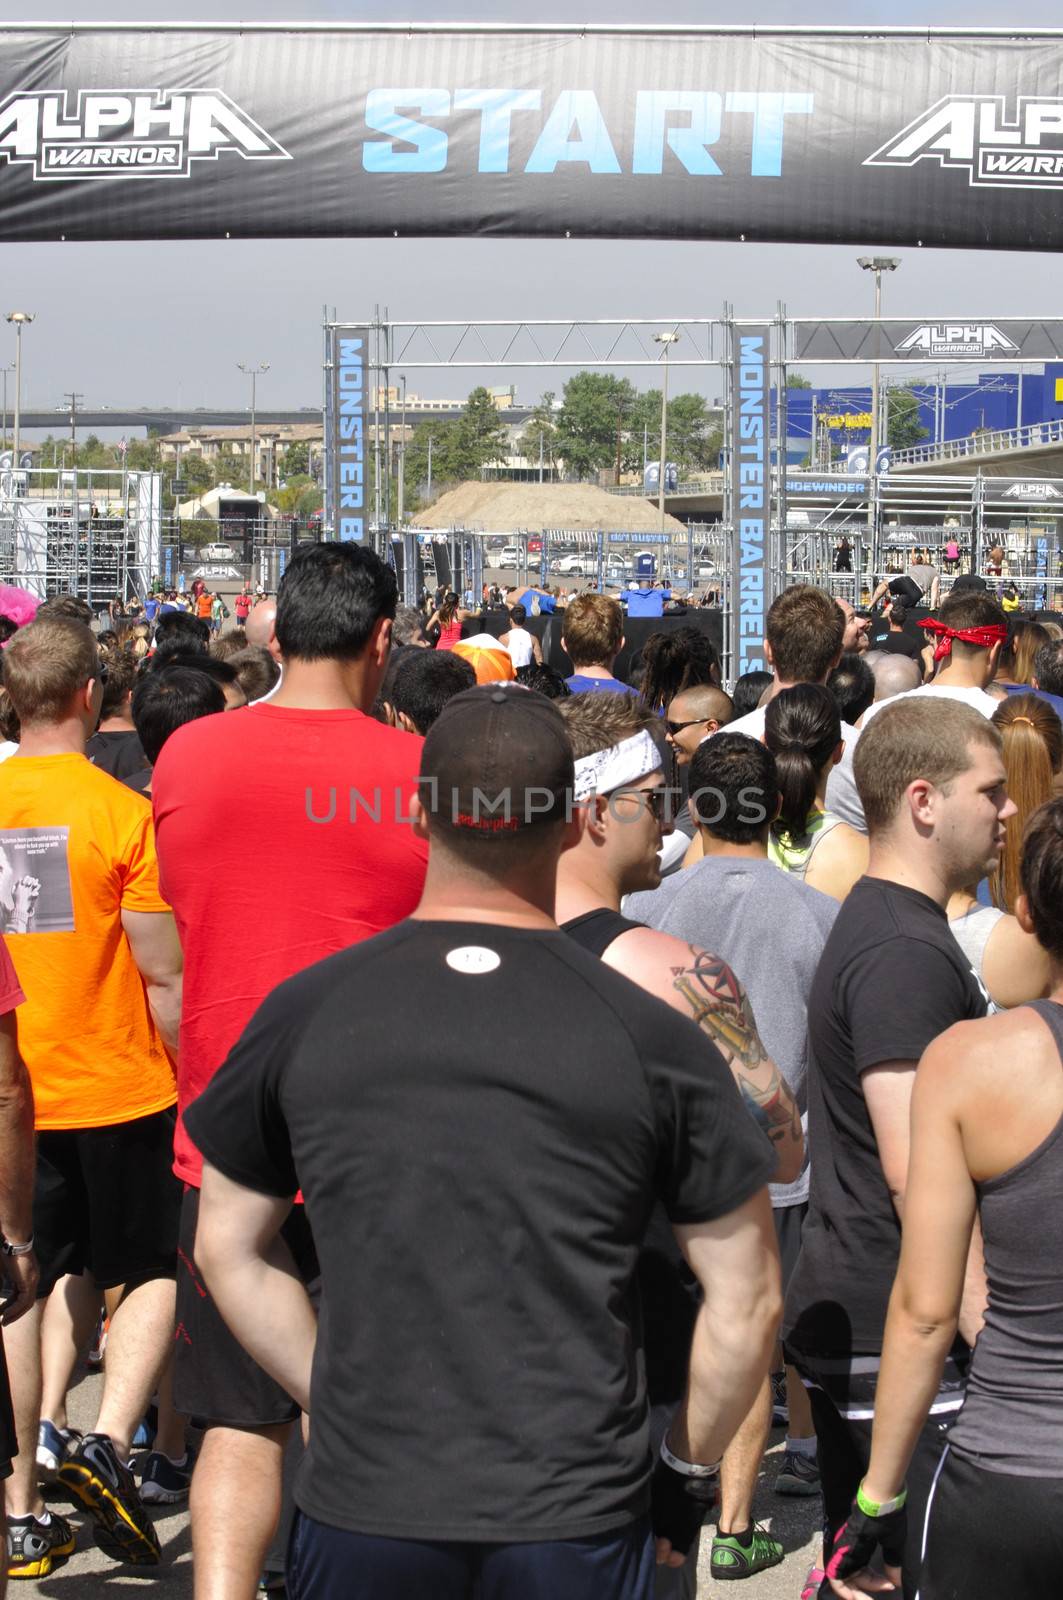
<point>987,1145</point>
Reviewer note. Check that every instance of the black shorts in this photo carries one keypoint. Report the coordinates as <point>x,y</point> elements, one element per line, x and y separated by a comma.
<point>214,1378</point>
<point>789,1222</point>
<point>986,1535</point>
<point>106,1201</point>
<point>330,1564</point>
<point>8,1438</point>
<point>841,1392</point>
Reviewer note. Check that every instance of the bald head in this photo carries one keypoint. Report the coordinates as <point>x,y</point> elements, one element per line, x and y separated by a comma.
<point>705,708</point>
<point>260,625</point>
<point>894,674</point>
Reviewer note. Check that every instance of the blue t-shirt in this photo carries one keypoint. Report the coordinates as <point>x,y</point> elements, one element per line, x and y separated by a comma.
<point>150,609</point>
<point>645,602</point>
<point>581,685</point>
<point>1054,700</point>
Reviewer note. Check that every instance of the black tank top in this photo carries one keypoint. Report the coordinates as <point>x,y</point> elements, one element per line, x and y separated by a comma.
<point>1012,1418</point>
<point>596,930</point>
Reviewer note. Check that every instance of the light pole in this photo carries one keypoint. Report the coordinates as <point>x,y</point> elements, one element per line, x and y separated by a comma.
<point>9,366</point>
<point>429,466</point>
<point>19,318</point>
<point>402,452</point>
<point>253,373</point>
<point>878,265</point>
<point>667,339</point>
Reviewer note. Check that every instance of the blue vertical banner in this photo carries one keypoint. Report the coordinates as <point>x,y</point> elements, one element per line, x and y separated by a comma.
<point>750,491</point>
<point>347,436</point>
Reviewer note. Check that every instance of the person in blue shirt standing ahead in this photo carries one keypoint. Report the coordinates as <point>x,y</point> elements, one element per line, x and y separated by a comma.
<point>646,600</point>
<point>592,638</point>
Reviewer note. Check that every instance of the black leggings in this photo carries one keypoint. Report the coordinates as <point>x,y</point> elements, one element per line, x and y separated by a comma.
<point>988,1536</point>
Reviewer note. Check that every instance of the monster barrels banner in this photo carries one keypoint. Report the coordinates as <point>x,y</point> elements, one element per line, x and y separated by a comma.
<point>932,138</point>
<point>346,433</point>
<point>750,491</point>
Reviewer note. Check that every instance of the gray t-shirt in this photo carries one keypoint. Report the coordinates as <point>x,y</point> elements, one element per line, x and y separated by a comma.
<point>770,928</point>
<point>843,799</point>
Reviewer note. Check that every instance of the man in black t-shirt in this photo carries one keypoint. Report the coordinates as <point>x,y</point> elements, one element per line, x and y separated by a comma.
<point>476,1396</point>
<point>891,978</point>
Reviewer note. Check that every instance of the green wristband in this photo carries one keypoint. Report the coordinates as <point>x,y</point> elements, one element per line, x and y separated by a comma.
<point>872,1509</point>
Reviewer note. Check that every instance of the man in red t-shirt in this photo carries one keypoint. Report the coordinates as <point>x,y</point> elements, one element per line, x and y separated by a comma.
<point>316,792</point>
<point>242,605</point>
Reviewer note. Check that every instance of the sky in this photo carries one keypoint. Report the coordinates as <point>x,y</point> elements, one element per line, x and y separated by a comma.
<point>166,323</point>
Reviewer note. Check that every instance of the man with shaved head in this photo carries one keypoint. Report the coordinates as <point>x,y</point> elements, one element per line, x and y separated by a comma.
<point>893,674</point>
<point>692,715</point>
<point>261,625</point>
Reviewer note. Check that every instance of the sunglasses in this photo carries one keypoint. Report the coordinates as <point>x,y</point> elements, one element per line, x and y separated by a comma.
<point>655,800</point>
<point>693,722</point>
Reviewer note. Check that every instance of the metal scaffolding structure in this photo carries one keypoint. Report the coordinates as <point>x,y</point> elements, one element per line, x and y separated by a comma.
<point>883,516</point>
<point>88,532</point>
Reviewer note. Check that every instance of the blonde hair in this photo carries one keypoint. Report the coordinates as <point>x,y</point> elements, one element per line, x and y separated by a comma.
<point>1033,752</point>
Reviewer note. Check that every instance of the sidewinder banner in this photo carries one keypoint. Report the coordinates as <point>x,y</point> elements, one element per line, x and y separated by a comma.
<point>751,491</point>
<point>920,137</point>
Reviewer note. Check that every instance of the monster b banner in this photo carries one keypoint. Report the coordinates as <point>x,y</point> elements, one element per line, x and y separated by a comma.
<point>818,135</point>
<point>750,490</point>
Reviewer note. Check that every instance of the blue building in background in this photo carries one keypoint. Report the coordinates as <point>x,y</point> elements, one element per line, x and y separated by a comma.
<point>994,400</point>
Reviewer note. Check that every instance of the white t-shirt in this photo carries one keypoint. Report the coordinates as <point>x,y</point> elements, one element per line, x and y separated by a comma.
<point>519,645</point>
<point>977,698</point>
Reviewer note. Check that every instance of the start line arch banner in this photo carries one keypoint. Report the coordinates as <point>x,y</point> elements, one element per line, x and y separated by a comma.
<point>933,137</point>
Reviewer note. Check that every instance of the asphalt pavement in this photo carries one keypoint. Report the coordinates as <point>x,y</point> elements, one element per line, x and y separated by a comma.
<point>88,1575</point>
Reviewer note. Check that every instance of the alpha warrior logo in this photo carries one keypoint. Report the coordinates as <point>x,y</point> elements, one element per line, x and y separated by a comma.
<point>973,132</point>
<point>957,339</point>
<point>1031,491</point>
<point>133,133</point>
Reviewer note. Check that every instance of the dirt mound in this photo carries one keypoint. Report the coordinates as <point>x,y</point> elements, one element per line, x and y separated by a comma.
<point>531,507</point>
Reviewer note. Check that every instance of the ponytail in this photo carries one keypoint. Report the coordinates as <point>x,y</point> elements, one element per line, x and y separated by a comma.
<point>802,729</point>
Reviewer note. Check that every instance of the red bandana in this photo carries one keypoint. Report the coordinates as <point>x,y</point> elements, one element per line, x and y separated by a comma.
<point>993,634</point>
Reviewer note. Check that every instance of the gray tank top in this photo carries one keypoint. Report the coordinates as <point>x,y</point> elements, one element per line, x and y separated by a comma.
<point>1012,1417</point>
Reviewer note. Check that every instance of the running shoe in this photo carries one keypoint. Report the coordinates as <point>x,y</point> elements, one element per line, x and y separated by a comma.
<point>813,1583</point>
<point>106,1488</point>
<point>798,1475</point>
<point>732,1559</point>
<point>163,1481</point>
<point>780,1411</point>
<point>53,1445</point>
<point>35,1548</point>
<point>99,1341</point>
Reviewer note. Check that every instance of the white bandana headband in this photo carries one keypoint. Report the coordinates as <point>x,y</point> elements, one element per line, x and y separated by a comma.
<point>615,768</point>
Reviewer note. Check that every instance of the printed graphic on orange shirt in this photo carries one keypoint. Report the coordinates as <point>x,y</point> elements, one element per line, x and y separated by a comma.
<point>35,894</point>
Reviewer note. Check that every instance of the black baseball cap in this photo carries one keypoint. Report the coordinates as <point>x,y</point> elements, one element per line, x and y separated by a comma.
<point>497,759</point>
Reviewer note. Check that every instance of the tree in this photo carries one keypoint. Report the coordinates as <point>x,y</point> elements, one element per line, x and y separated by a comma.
<point>297,459</point>
<point>540,436</point>
<point>905,427</point>
<point>694,435</point>
<point>482,434</point>
<point>794,380</point>
<point>597,410</point>
<point>197,473</point>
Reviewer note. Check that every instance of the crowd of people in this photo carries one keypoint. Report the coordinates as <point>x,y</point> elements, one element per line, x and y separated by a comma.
<point>474,1083</point>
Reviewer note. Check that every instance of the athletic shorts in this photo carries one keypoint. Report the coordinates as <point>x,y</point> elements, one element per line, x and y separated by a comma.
<point>8,1437</point>
<point>331,1564</point>
<point>841,1392</point>
<point>789,1222</point>
<point>106,1202</point>
<point>214,1378</point>
<point>986,1535</point>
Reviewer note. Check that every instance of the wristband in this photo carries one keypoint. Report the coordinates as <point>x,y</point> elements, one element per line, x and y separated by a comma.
<point>883,1508</point>
<point>689,1469</point>
<point>10,1249</point>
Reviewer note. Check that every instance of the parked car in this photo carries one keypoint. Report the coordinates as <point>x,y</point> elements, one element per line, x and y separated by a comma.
<point>219,552</point>
<point>508,556</point>
<point>574,566</point>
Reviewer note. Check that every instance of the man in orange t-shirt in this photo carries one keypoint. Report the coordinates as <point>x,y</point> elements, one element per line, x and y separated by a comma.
<point>203,605</point>
<point>97,955</point>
